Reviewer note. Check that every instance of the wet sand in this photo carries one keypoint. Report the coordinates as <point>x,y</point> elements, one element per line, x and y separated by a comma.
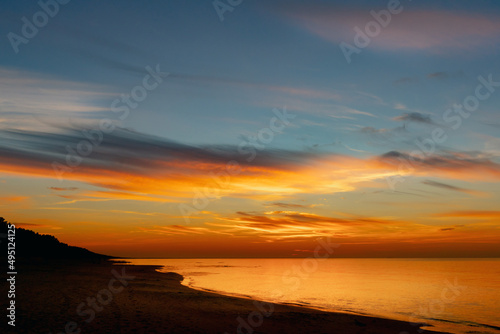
<point>105,298</point>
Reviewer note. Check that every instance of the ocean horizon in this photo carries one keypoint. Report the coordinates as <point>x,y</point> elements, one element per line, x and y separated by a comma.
<point>451,295</point>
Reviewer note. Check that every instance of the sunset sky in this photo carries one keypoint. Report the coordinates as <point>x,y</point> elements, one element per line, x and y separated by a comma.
<point>178,129</point>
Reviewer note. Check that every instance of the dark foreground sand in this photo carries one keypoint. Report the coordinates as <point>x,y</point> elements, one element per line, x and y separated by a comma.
<point>54,299</point>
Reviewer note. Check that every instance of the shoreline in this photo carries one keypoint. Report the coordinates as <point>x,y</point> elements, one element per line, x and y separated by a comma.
<point>310,307</point>
<point>298,304</point>
<point>114,297</point>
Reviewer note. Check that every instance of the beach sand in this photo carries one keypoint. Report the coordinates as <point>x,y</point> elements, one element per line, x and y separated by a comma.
<point>54,298</point>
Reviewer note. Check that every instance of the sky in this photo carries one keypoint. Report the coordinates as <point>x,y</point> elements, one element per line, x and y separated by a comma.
<point>250,128</point>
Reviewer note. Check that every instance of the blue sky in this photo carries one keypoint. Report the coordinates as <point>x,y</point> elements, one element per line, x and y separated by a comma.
<point>225,70</point>
<point>353,121</point>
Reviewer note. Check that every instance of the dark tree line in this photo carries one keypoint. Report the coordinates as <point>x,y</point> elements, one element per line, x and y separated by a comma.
<point>33,245</point>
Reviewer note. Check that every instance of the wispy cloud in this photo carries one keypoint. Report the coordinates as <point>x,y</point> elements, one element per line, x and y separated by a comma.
<point>290,205</point>
<point>288,225</point>
<point>13,199</point>
<point>443,30</point>
<point>131,165</point>
<point>439,75</point>
<point>453,188</point>
<point>442,75</point>
<point>33,100</point>
<point>470,214</point>
<point>278,225</point>
<point>63,188</point>
<point>453,165</point>
<point>385,136</point>
<point>414,117</point>
<point>451,228</point>
<point>135,166</point>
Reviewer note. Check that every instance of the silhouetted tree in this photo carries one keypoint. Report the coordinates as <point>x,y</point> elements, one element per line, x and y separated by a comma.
<point>31,244</point>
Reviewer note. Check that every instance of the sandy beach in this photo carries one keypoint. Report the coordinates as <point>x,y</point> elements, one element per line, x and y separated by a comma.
<point>105,298</point>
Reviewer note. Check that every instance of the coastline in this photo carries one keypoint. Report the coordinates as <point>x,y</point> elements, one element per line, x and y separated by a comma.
<point>114,297</point>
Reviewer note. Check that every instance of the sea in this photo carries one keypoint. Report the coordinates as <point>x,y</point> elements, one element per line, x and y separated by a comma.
<point>450,295</point>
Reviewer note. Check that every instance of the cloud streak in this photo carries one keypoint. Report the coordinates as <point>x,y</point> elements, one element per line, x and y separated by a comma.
<point>289,205</point>
<point>128,165</point>
<point>414,117</point>
<point>453,165</point>
<point>32,100</point>
<point>443,30</point>
<point>470,214</point>
<point>452,188</point>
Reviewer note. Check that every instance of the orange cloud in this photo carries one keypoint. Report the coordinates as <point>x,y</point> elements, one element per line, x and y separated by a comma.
<point>133,166</point>
<point>285,233</point>
<point>13,199</point>
<point>63,189</point>
<point>470,214</point>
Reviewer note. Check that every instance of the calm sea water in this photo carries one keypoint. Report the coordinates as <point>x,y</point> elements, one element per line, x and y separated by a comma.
<point>453,295</point>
